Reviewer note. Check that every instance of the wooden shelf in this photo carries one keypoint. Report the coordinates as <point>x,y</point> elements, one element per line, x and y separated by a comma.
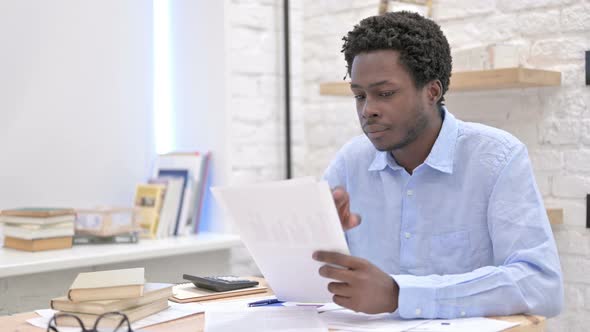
<point>555,216</point>
<point>475,80</point>
<point>504,79</point>
<point>14,262</point>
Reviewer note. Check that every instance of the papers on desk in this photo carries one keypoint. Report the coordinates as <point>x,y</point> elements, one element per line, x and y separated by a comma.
<point>235,316</point>
<point>282,224</point>
<point>175,311</point>
<point>264,319</point>
<point>478,324</point>
<point>348,320</point>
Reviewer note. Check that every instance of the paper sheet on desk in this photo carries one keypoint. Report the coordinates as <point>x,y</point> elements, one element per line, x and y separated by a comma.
<point>349,320</point>
<point>479,324</point>
<point>264,319</point>
<point>282,224</point>
<point>175,311</point>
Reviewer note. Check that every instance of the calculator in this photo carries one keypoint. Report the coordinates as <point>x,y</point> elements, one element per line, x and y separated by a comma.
<point>220,283</point>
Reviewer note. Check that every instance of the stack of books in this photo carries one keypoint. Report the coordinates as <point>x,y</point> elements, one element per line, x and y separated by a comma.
<point>94,293</point>
<point>38,229</point>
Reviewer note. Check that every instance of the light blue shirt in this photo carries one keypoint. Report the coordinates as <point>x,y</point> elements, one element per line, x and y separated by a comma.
<point>465,235</point>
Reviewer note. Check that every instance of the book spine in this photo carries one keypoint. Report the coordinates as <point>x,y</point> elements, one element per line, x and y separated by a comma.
<point>204,181</point>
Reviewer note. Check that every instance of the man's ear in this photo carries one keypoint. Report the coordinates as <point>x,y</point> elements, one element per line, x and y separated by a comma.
<point>434,91</point>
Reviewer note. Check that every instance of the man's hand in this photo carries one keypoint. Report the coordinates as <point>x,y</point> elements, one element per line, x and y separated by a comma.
<point>361,285</point>
<point>347,220</point>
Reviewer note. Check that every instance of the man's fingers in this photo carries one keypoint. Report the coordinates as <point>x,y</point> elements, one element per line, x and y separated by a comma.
<point>340,288</point>
<point>353,221</point>
<point>342,201</point>
<point>339,193</point>
<point>343,301</point>
<point>339,259</point>
<point>335,273</point>
<point>341,198</point>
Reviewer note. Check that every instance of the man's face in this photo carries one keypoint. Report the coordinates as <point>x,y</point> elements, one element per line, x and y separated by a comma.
<point>392,112</point>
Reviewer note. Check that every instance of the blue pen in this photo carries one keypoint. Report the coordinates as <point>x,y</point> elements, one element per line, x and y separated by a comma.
<point>263,303</point>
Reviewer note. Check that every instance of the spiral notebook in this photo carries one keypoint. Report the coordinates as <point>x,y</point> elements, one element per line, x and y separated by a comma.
<point>187,292</point>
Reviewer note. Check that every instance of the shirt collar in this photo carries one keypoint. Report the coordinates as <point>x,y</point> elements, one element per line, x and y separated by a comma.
<point>441,155</point>
<point>382,160</point>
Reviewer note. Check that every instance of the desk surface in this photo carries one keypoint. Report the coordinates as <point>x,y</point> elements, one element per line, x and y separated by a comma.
<point>195,323</point>
<point>15,262</point>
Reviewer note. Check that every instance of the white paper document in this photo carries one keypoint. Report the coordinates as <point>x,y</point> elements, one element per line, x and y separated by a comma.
<point>261,319</point>
<point>349,320</point>
<point>176,310</point>
<point>479,324</point>
<point>282,224</point>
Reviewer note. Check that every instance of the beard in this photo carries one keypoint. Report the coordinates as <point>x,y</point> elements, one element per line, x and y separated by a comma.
<point>412,133</point>
<point>414,129</point>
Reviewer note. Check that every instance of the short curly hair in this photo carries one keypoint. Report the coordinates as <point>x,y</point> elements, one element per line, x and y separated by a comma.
<point>424,49</point>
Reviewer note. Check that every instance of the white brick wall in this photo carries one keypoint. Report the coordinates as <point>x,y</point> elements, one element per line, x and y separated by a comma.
<point>554,123</point>
<point>257,97</point>
<point>257,88</point>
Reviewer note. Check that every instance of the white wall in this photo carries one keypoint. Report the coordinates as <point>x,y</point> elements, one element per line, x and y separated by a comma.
<point>199,71</point>
<point>256,100</point>
<point>257,107</point>
<point>75,101</point>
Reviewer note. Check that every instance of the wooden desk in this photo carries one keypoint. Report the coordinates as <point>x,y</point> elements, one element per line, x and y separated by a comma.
<point>195,323</point>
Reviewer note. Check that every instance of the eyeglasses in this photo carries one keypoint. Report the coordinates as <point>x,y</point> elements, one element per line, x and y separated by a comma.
<point>109,321</point>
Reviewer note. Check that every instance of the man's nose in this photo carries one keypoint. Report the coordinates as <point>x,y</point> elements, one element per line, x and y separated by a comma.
<point>369,109</point>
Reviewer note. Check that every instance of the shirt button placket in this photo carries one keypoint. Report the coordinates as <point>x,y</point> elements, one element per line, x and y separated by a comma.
<point>407,252</point>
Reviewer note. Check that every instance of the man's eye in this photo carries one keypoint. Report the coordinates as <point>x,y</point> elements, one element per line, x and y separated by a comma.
<point>386,94</point>
<point>359,97</point>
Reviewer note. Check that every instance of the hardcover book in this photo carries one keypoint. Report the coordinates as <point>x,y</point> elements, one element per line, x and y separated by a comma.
<point>134,314</point>
<point>37,220</point>
<point>183,176</point>
<point>38,244</point>
<point>107,285</point>
<point>151,293</point>
<point>38,212</point>
<point>36,231</point>
<point>196,164</point>
<point>148,200</point>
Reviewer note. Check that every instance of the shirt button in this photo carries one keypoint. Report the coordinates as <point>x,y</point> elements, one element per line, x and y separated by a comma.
<point>418,311</point>
<point>407,235</point>
<point>410,192</point>
<point>462,313</point>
